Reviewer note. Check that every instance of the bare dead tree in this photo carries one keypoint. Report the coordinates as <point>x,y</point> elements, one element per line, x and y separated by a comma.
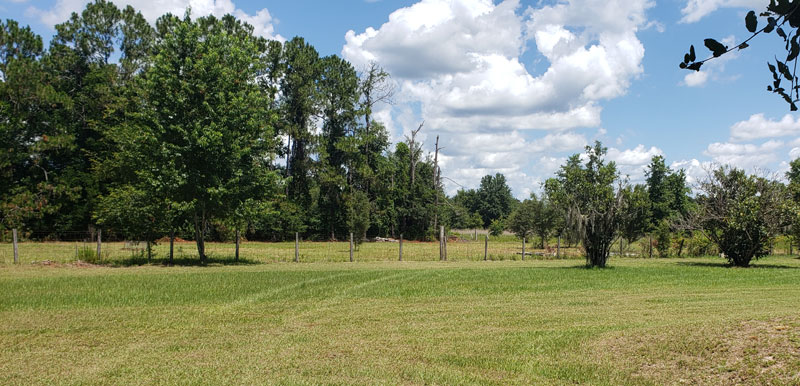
<point>414,148</point>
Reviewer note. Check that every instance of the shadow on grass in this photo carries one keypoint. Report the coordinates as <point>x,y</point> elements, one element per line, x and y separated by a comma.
<point>587,267</point>
<point>755,265</point>
<point>184,262</point>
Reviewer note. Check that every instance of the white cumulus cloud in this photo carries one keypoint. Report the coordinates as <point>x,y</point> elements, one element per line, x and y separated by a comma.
<point>262,21</point>
<point>745,155</point>
<point>698,9</point>
<point>461,64</point>
<point>758,126</point>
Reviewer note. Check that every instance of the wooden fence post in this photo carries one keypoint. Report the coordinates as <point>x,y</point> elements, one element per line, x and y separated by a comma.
<point>401,247</point>
<point>650,246</point>
<point>621,245</point>
<point>523,248</point>
<point>296,247</point>
<point>16,248</point>
<point>476,235</point>
<point>558,248</point>
<point>351,247</point>
<point>443,241</point>
<point>171,245</point>
<point>99,243</point>
<point>486,248</point>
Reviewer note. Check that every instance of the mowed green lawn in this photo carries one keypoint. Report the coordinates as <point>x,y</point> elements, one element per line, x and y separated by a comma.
<point>641,321</point>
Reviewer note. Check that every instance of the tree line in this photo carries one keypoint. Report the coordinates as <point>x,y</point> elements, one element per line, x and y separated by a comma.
<point>197,128</point>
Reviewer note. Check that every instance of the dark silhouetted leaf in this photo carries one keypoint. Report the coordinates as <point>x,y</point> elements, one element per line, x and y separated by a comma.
<point>780,32</point>
<point>793,107</point>
<point>795,50</point>
<point>692,56</point>
<point>715,47</point>
<point>770,24</point>
<point>686,58</point>
<point>751,22</point>
<point>682,65</point>
<point>769,88</point>
<point>695,66</point>
<point>784,69</point>
<point>743,46</point>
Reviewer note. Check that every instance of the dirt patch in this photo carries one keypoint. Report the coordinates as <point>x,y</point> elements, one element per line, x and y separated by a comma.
<point>749,352</point>
<point>77,264</point>
<point>177,240</point>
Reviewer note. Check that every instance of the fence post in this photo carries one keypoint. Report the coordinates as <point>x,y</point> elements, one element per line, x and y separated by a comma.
<point>99,243</point>
<point>486,248</point>
<point>523,248</point>
<point>621,245</point>
<point>650,246</point>
<point>443,242</point>
<point>558,248</point>
<point>476,235</point>
<point>401,247</point>
<point>16,248</point>
<point>171,245</point>
<point>296,247</point>
<point>351,247</point>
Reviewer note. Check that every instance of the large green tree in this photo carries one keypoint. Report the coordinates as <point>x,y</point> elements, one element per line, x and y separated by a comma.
<point>206,127</point>
<point>595,201</point>
<point>494,198</point>
<point>30,138</point>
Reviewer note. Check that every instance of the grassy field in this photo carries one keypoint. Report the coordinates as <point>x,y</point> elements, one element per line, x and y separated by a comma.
<point>503,248</point>
<point>642,321</point>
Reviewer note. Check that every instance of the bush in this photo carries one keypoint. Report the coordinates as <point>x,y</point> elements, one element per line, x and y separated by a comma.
<point>740,212</point>
<point>497,227</point>
<point>663,239</point>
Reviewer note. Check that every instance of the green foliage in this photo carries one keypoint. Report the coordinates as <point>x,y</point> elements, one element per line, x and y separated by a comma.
<point>493,198</point>
<point>636,215</point>
<point>740,213</point>
<point>594,206</point>
<point>358,215</point>
<point>522,220</point>
<point>663,239</point>
<point>497,227</point>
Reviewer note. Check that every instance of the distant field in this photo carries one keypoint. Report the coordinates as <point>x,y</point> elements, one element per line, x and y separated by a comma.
<point>642,321</point>
<point>504,248</point>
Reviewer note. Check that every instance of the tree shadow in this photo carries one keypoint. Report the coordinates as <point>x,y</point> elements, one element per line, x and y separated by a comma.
<point>754,265</point>
<point>184,262</point>
<point>587,267</point>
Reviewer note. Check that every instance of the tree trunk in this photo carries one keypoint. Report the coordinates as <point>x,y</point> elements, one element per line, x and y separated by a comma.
<point>236,256</point>
<point>199,234</point>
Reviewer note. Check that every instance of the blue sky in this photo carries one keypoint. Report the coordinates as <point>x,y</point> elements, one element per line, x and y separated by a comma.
<point>516,86</point>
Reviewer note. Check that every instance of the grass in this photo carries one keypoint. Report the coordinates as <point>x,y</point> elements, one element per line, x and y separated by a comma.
<point>116,253</point>
<point>642,321</point>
